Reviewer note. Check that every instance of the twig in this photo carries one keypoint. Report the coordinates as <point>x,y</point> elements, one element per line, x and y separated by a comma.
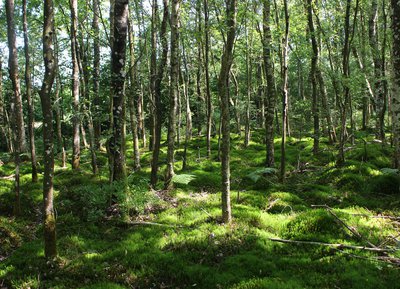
<point>332,245</point>
<point>378,217</point>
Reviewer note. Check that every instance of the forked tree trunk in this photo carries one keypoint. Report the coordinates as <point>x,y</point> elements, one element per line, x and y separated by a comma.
<point>49,221</point>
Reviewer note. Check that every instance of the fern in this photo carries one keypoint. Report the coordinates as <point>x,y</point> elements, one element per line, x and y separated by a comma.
<point>183,179</point>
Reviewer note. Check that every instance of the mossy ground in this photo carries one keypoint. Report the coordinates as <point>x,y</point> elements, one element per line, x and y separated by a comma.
<point>99,249</point>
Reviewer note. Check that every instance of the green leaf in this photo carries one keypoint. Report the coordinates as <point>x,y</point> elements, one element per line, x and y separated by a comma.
<point>183,179</point>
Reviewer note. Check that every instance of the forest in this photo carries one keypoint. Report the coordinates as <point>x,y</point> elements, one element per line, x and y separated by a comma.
<point>199,144</point>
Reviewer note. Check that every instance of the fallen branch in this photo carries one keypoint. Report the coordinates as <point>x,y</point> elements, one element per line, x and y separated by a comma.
<point>339,246</point>
<point>142,223</point>
<point>351,229</point>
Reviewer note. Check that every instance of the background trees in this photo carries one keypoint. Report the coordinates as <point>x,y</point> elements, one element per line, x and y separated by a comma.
<point>194,64</point>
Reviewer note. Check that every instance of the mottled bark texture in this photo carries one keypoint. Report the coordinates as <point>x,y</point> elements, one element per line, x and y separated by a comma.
<point>223,89</point>
<point>118,60</point>
<point>49,221</point>
<point>396,80</point>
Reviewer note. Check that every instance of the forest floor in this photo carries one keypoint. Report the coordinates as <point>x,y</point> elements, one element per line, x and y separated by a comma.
<point>158,239</point>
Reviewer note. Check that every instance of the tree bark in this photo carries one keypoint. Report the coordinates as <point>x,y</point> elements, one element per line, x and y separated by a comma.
<point>29,100</point>
<point>313,76</point>
<point>207,76</point>
<point>157,95</point>
<point>270,100</point>
<point>396,81</point>
<point>131,100</point>
<point>17,122</point>
<point>285,95</point>
<point>223,87</point>
<point>76,149</point>
<point>117,85</point>
<point>49,221</point>
<point>96,75</point>
<point>173,92</point>
<point>379,91</point>
<point>4,143</point>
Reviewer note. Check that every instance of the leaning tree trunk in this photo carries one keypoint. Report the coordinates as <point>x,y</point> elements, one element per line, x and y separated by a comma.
<point>396,81</point>
<point>76,150</point>
<point>173,92</point>
<point>29,100</point>
<point>223,87</point>
<point>49,221</point>
<point>116,143</point>
<point>270,99</point>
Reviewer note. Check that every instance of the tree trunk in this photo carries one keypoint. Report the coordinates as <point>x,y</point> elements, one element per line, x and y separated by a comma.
<point>17,123</point>
<point>223,87</point>
<point>313,76</point>
<point>173,92</point>
<point>29,100</point>
<point>49,221</point>
<point>270,99</point>
<point>379,92</point>
<point>96,75</point>
<point>58,104</point>
<point>207,76</point>
<point>285,96</point>
<point>157,95</point>
<point>4,144</point>
<point>76,149</point>
<point>131,101</point>
<point>117,140</point>
<point>396,81</point>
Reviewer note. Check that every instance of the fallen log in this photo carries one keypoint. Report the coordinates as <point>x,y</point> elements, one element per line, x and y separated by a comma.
<point>338,246</point>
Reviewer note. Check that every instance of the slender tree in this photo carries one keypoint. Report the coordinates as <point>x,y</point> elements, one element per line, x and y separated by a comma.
<point>96,73</point>
<point>49,221</point>
<point>173,92</point>
<point>76,150</point>
<point>131,100</point>
<point>117,85</point>
<point>28,92</point>
<point>285,95</point>
<point>270,99</point>
<point>158,114</point>
<point>16,105</point>
<point>223,89</point>
<point>207,75</point>
<point>396,80</point>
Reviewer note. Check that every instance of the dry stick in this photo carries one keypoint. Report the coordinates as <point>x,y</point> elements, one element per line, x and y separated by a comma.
<point>332,245</point>
<point>352,230</point>
<point>152,224</point>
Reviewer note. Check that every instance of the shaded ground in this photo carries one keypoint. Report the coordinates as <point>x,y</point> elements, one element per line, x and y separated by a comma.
<point>103,247</point>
